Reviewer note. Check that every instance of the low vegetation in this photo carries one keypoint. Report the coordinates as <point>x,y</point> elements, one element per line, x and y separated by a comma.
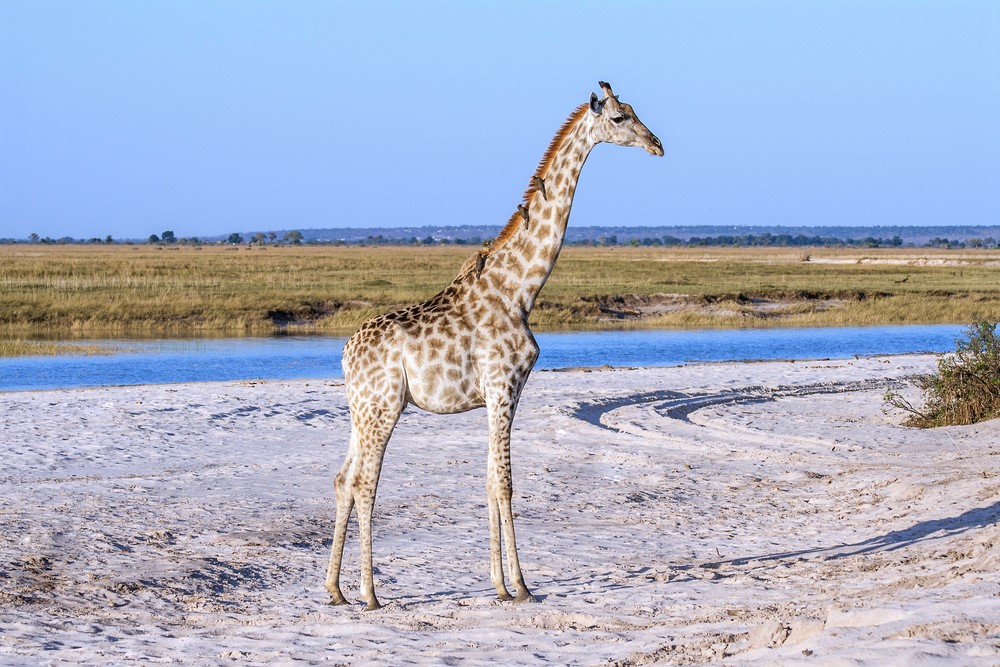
<point>36,348</point>
<point>98,291</point>
<point>966,387</point>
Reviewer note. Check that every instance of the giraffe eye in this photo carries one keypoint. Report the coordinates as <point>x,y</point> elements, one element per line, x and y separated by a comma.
<point>618,120</point>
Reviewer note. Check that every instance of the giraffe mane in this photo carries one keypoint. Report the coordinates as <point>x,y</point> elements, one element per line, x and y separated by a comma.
<point>516,220</point>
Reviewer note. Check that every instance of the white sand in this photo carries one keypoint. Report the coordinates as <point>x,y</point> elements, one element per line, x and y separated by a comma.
<point>190,524</point>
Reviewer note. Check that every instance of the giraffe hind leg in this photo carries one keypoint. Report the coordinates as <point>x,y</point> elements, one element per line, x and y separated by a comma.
<point>345,505</point>
<point>356,485</point>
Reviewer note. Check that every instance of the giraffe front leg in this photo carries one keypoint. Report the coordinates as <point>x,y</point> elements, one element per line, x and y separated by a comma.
<point>507,520</point>
<point>501,490</point>
<point>496,552</point>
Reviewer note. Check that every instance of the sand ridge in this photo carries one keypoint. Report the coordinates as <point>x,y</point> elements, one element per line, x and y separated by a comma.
<point>744,513</point>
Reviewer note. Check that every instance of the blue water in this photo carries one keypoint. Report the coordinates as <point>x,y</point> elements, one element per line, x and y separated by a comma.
<point>304,357</point>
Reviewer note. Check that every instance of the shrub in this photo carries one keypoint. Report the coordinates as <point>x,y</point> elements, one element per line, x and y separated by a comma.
<point>966,387</point>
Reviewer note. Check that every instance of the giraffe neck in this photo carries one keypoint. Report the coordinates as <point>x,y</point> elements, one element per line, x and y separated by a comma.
<point>525,253</point>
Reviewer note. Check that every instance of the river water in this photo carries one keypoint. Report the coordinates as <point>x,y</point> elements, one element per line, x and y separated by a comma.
<point>303,357</point>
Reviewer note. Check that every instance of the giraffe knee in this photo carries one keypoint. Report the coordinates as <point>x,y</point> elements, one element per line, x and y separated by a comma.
<point>501,489</point>
<point>342,487</point>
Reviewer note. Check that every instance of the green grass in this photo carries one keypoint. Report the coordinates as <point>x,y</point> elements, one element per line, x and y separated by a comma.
<point>100,291</point>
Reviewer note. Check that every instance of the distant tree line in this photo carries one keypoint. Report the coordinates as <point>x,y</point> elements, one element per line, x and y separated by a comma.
<point>751,240</point>
<point>765,239</point>
<point>738,241</point>
<point>258,238</point>
<point>379,239</point>
<point>166,238</point>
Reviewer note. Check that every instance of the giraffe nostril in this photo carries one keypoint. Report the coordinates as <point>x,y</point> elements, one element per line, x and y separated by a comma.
<point>656,141</point>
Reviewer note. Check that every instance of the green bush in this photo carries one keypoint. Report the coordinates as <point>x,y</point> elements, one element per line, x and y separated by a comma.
<point>966,387</point>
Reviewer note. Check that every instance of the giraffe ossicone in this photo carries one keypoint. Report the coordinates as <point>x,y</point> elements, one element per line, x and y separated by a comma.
<point>470,345</point>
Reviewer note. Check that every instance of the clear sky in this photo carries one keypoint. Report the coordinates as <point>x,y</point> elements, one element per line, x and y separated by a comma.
<point>129,118</point>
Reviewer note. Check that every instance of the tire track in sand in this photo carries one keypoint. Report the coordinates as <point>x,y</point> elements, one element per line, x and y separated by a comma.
<point>679,405</point>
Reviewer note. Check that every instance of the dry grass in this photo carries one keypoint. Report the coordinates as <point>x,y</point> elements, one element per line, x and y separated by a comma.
<point>36,348</point>
<point>101,291</point>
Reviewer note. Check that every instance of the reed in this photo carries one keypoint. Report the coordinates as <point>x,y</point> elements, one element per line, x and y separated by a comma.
<point>100,291</point>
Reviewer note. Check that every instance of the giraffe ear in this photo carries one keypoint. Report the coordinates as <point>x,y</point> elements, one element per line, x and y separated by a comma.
<point>596,105</point>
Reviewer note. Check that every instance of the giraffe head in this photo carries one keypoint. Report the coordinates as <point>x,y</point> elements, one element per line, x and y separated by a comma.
<point>616,123</point>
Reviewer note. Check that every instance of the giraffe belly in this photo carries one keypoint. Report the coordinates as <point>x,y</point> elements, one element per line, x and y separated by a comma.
<point>442,388</point>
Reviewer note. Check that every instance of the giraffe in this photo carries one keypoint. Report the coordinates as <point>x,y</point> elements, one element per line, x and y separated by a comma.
<point>470,346</point>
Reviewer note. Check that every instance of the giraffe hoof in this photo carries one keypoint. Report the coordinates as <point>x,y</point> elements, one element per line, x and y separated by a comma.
<point>504,596</point>
<point>525,596</point>
<point>373,605</point>
<point>336,597</point>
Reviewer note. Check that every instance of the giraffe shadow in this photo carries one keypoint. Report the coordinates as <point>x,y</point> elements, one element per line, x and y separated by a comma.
<point>595,583</point>
<point>921,532</point>
<point>485,597</point>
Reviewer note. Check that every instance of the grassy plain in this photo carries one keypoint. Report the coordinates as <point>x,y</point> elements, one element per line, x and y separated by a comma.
<point>105,291</point>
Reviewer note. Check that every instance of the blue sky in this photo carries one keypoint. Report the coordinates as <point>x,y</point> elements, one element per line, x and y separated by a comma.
<point>130,118</point>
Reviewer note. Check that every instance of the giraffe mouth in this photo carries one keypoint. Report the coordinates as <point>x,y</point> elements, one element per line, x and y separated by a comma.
<point>654,147</point>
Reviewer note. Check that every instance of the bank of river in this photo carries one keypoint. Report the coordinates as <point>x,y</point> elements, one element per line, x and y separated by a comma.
<point>303,357</point>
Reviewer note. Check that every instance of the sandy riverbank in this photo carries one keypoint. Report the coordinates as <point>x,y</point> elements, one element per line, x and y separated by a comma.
<point>761,513</point>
